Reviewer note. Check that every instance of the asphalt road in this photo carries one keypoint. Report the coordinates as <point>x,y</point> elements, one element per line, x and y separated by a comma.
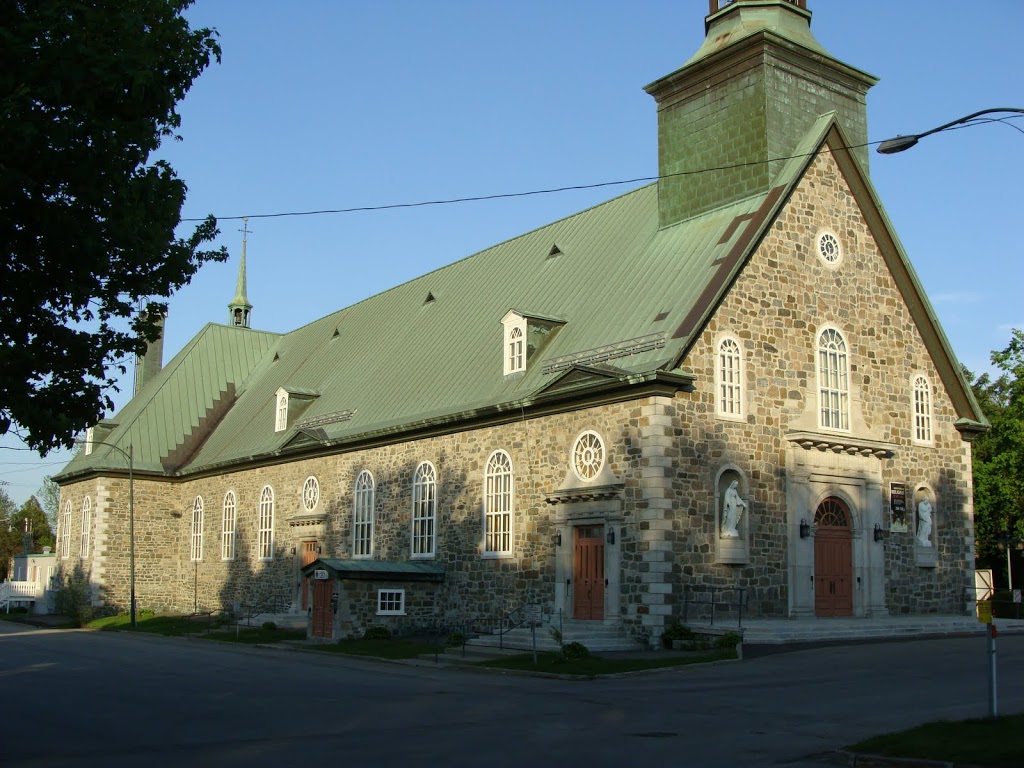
<point>114,699</point>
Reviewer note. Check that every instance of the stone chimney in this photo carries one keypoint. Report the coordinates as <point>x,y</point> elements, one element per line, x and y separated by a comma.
<point>149,364</point>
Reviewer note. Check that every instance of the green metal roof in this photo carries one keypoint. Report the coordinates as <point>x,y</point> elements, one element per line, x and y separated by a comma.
<point>175,405</point>
<point>401,570</point>
<point>739,20</point>
<point>632,297</point>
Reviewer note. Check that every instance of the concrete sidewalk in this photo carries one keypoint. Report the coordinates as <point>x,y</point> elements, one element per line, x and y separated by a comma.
<point>847,629</point>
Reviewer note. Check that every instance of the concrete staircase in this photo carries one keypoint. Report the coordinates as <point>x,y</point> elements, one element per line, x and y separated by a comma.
<point>596,635</point>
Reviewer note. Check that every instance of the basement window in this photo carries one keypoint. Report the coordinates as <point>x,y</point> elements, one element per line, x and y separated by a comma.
<point>390,602</point>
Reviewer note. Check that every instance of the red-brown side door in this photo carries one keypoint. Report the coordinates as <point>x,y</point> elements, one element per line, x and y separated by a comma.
<point>588,572</point>
<point>323,615</point>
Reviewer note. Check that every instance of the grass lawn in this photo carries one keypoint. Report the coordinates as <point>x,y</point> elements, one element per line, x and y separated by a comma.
<point>255,635</point>
<point>383,649</point>
<point>989,743</point>
<point>172,626</point>
<point>556,663</point>
<point>216,628</point>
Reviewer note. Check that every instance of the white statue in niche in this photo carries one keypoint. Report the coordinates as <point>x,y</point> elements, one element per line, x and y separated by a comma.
<point>924,523</point>
<point>732,510</point>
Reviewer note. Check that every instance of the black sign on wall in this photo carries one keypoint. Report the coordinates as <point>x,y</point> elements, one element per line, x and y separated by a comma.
<point>898,507</point>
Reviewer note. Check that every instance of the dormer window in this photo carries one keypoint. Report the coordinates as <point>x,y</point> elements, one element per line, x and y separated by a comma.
<point>515,343</point>
<point>523,337</point>
<point>290,404</point>
<point>281,417</point>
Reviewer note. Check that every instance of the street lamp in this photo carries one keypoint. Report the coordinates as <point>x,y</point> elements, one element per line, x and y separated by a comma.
<point>1009,543</point>
<point>131,522</point>
<point>900,143</point>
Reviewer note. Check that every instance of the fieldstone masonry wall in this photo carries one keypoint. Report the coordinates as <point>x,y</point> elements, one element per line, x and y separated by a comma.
<point>666,453</point>
<point>777,306</point>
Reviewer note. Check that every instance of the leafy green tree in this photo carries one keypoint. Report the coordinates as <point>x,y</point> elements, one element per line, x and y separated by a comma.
<point>7,532</point>
<point>31,517</point>
<point>49,498</point>
<point>88,90</point>
<point>999,455</point>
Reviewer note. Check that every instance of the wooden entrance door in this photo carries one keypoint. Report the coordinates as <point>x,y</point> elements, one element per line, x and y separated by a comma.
<point>323,613</point>
<point>833,559</point>
<point>308,556</point>
<point>588,572</point>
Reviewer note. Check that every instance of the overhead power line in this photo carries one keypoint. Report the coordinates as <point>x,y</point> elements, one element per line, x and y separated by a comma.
<point>569,188</point>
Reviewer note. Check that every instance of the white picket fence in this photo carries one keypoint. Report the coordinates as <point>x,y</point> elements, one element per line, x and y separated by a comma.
<point>16,592</point>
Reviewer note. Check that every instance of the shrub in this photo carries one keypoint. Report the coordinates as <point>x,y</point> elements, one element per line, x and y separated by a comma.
<point>74,599</point>
<point>575,651</point>
<point>269,625</point>
<point>377,633</point>
<point>728,640</point>
<point>1003,606</point>
<point>675,631</point>
<point>456,639</point>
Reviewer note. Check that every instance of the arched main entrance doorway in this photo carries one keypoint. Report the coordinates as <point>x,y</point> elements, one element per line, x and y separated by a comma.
<point>833,559</point>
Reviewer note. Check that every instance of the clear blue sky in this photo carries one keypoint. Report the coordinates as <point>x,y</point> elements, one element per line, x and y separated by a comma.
<point>326,104</point>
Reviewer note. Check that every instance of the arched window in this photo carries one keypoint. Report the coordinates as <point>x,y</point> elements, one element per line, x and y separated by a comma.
<point>498,505</point>
<point>833,380</point>
<point>922,410</point>
<point>362,516</point>
<point>86,526</point>
<point>281,412</point>
<point>227,543</point>
<point>266,531</point>
<point>197,528</point>
<point>516,359</point>
<point>424,510</point>
<point>832,513</point>
<point>513,337</point>
<point>729,400</point>
<point>65,531</point>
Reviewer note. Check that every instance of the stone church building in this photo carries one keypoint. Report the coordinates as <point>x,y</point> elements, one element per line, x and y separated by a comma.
<point>726,379</point>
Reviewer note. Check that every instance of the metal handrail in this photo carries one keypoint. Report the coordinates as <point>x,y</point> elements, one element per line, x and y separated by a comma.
<point>714,603</point>
<point>998,600</point>
<point>502,630</point>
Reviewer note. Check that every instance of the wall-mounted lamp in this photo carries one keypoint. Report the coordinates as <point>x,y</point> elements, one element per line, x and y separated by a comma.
<point>293,551</point>
<point>611,536</point>
<point>805,528</point>
<point>319,549</point>
<point>558,538</point>
<point>879,533</point>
